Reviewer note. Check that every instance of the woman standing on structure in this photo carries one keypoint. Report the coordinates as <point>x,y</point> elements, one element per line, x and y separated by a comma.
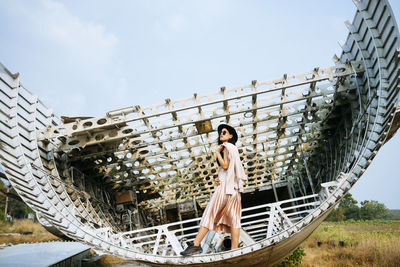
<point>223,212</point>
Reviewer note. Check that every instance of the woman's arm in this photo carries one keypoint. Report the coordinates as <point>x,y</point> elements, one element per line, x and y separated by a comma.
<point>224,161</point>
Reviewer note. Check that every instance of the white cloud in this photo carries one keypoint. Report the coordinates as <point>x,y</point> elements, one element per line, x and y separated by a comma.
<point>78,38</point>
<point>82,55</point>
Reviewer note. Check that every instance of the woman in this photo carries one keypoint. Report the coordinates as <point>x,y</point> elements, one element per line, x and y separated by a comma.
<point>223,212</point>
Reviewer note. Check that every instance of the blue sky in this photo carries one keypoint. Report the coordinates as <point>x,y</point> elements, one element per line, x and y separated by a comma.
<point>88,57</point>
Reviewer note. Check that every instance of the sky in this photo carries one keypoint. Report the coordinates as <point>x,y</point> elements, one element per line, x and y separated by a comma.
<point>84,58</point>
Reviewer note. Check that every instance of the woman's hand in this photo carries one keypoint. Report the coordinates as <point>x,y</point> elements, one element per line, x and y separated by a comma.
<point>220,148</point>
<point>217,181</point>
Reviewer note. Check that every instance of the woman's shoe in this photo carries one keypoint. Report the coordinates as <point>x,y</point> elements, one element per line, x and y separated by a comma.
<point>191,250</point>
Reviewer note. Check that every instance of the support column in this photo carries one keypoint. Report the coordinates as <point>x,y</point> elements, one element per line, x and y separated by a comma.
<point>274,189</point>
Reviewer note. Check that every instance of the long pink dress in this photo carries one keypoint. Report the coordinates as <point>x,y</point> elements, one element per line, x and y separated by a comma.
<point>224,211</point>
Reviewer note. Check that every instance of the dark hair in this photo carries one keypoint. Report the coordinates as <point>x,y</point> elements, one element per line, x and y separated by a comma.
<point>220,143</point>
<point>230,140</point>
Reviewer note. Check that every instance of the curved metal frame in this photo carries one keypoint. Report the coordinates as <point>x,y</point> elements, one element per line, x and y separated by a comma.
<point>373,42</point>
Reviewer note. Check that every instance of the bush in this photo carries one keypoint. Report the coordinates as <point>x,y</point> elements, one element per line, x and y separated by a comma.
<point>293,260</point>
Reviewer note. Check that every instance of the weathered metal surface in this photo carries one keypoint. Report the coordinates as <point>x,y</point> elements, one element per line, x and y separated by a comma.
<point>395,125</point>
<point>315,132</point>
<point>284,118</point>
<point>266,256</point>
<point>66,254</point>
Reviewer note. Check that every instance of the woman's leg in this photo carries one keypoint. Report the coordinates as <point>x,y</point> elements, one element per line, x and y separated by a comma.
<point>235,237</point>
<point>200,235</point>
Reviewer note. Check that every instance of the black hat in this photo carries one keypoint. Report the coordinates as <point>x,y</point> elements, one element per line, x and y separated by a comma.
<point>231,130</point>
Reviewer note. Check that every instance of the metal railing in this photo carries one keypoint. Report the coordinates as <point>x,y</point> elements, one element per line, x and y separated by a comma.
<point>258,222</point>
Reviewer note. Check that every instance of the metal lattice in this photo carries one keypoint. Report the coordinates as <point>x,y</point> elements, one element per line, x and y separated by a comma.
<point>311,135</point>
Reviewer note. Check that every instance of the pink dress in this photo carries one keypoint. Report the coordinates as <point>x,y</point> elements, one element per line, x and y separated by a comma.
<point>224,211</point>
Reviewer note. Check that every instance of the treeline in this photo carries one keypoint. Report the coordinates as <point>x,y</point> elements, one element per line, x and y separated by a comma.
<point>349,209</point>
<point>393,215</point>
<point>17,209</point>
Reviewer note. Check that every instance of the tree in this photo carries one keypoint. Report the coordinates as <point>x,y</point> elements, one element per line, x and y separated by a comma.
<point>336,215</point>
<point>372,210</point>
<point>16,208</point>
<point>350,208</point>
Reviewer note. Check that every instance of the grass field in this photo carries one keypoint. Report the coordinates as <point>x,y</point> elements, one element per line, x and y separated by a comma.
<point>365,243</point>
<point>10,233</point>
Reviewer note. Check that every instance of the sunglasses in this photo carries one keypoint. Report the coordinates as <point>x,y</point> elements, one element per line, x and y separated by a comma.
<point>224,132</point>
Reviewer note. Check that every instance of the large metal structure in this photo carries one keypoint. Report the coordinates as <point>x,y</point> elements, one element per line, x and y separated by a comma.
<point>134,183</point>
